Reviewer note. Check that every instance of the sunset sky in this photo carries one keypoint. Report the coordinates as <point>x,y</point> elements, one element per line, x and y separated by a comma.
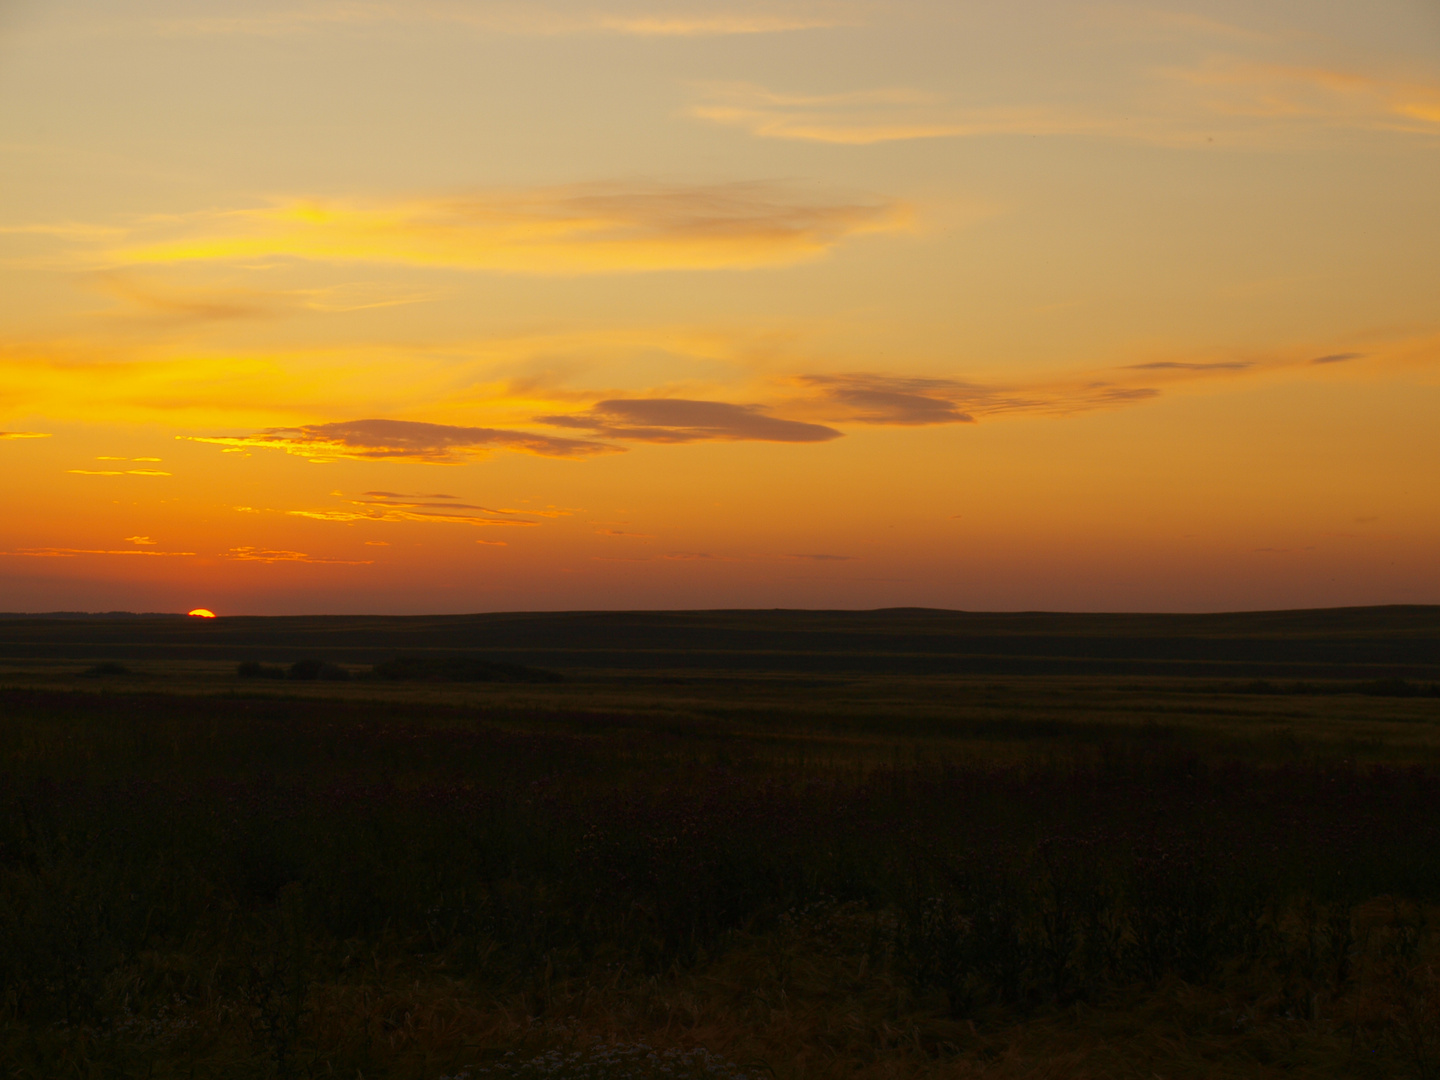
<point>457,305</point>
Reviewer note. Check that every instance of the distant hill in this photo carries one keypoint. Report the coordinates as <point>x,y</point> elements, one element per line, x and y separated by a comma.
<point>1341,643</point>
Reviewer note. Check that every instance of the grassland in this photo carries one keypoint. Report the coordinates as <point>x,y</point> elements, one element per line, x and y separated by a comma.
<point>737,844</point>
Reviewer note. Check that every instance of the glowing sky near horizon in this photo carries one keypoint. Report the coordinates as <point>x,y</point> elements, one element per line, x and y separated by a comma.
<point>455,306</point>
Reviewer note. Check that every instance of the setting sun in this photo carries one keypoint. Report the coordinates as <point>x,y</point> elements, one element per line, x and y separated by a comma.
<point>202,613</point>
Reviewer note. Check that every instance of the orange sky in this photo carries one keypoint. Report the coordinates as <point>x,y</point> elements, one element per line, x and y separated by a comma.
<point>456,306</point>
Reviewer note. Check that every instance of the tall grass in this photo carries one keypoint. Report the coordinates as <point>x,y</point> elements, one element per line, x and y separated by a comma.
<point>194,886</point>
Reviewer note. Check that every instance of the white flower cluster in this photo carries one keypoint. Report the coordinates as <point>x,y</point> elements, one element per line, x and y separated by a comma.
<point>611,1061</point>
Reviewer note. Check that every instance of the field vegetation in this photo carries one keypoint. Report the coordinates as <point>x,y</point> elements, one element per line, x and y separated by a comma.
<point>741,873</point>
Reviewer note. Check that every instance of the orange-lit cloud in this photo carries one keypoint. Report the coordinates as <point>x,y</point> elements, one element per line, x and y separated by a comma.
<point>674,420</point>
<point>721,23</point>
<point>1246,92</point>
<point>392,506</point>
<point>266,555</point>
<point>117,472</point>
<point>158,300</point>
<point>1282,92</point>
<point>643,20</point>
<point>24,435</point>
<point>887,399</point>
<point>404,440</point>
<point>860,118</point>
<point>70,553</point>
<point>580,229</point>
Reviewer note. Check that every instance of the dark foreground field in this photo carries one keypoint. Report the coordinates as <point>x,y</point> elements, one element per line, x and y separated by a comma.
<point>782,844</point>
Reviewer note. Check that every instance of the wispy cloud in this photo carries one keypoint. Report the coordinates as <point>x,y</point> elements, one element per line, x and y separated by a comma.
<point>117,472</point>
<point>580,229</point>
<point>874,116</point>
<point>390,506</point>
<point>1185,365</point>
<point>403,440</point>
<point>868,398</point>
<point>879,398</point>
<point>156,300</point>
<point>70,553</point>
<point>1238,98</point>
<point>676,420</point>
<point>267,555</point>
<point>886,399</point>
<point>643,20</point>
<point>721,23</point>
<point>24,435</point>
<point>1312,94</point>
<point>66,230</point>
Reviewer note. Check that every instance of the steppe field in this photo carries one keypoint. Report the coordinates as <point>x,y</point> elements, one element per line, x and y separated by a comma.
<point>747,844</point>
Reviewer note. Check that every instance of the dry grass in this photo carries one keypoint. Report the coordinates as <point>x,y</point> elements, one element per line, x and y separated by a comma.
<point>816,999</point>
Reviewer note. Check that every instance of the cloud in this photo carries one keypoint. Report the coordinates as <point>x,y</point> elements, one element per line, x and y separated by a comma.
<point>1325,96</point>
<point>868,398</point>
<point>580,229</point>
<point>672,20</point>
<point>1180,365</point>
<point>821,558</point>
<point>695,556</point>
<point>1227,96</point>
<point>194,305</point>
<point>266,555</point>
<point>65,230</point>
<point>860,118</point>
<point>391,506</point>
<point>403,495</point>
<point>881,399</point>
<point>70,553</point>
<point>190,304</point>
<point>140,540</point>
<point>24,435</point>
<point>677,420</point>
<point>117,472</point>
<point>1337,358</point>
<point>618,532</point>
<point>403,440</point>
<point>723,23</point>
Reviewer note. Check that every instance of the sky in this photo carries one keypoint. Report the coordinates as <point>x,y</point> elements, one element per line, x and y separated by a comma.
<point>459,305</point>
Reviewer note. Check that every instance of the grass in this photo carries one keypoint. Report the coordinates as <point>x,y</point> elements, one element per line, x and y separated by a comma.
<point>735,874</point>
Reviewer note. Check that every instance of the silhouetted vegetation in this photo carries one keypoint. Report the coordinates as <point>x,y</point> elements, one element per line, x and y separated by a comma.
<point>460,669</point>
<point>310,669</point>
<point>109,668</point>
